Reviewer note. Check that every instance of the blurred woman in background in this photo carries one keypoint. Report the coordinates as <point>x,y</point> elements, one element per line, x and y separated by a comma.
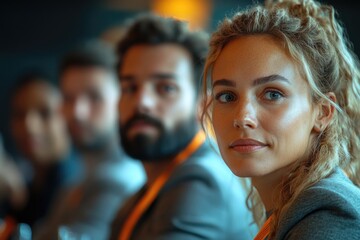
<point>40,135</point>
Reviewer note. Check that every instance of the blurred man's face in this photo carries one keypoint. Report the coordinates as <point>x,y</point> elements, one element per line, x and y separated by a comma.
<point>37,125</point>
<point>158,101</point>
<point>90,105</point>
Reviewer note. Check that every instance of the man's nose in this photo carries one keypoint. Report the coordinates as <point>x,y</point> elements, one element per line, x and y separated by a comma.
<point>81,109</point>
<point>146,99</point>
<point>32,122</point>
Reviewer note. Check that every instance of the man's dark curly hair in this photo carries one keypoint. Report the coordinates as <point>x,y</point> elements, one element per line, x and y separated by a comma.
<point>90,54</point>
<point>154,30</point>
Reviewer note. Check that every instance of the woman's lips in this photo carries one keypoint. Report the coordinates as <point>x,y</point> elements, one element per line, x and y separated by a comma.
<point>247,145</point>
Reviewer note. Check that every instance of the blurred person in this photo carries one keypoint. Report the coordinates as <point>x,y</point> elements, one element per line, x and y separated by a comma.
<point>190,193</point>
<point>40,135</point>
<point>90,89</point>
<point>284,106</point>
<point>12,183</point>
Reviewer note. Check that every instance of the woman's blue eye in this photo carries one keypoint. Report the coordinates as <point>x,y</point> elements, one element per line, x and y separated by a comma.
<point>225,97</point>
<point>273,95</point>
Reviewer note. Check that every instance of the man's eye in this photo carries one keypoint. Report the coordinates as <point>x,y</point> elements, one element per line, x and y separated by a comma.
<point>68,99</point>
<point>273,95</point>
<point>95,96</point>
<point>225,97</point>
<point>129,89</point>
<point>167,88</point>
<point>46,113</point>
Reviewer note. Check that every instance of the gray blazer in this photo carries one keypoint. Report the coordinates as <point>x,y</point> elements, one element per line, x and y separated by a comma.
<point>328,210</point>
<point>201,200</point>
<point>107,185</point>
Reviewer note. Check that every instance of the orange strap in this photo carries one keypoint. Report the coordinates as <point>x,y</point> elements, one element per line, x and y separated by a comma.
<point>153,190</point>
<point>265,230</point>
<point>6,228</point>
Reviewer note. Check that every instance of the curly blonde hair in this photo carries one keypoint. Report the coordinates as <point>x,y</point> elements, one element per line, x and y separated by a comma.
<point>316,41</point>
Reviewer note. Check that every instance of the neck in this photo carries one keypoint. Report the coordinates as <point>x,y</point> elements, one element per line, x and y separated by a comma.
<point>41,175</point>
<point>107,148</point>
<point>268,186</point>
<point>154,169</point>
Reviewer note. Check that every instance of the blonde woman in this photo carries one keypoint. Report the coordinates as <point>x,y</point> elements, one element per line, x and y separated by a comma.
<point>284,108</point>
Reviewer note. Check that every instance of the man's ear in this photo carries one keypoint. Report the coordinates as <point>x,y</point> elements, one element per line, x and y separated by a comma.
<point>325,112</point>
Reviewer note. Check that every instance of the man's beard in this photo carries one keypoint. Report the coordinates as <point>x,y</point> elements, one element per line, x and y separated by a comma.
<point>96,142</point>
<point>166,146</point>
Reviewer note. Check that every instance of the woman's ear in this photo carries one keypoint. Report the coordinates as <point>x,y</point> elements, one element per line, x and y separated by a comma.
<point>325,113</point>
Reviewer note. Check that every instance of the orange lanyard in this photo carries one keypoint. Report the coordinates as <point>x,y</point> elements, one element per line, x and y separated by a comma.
<point>265,230</point>
<point>7,228</point>
<point>159,182</point>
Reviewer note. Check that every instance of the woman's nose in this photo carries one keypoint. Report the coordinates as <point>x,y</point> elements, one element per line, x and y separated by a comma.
<point>246,116</point>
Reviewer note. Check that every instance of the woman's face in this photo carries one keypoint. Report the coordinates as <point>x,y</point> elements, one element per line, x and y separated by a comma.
<point>262,110</point>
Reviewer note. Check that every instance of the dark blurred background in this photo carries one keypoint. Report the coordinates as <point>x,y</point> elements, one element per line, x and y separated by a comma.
<point>34,35</point>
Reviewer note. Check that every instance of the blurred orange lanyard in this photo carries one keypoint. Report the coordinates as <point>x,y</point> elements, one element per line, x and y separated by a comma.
<point>6,228</point>
<point>153,190</point>
<point>265,230</point>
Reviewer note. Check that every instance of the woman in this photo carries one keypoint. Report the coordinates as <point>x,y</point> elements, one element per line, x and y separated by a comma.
<point>284,109</point>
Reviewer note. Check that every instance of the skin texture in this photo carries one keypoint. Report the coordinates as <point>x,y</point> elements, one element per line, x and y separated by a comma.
<point>90,105</point>
<point>273,118</point>
<point>37,125</point>
<point>156,81</point>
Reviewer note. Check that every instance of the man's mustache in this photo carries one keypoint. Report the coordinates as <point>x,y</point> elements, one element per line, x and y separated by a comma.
<point>142,118</point>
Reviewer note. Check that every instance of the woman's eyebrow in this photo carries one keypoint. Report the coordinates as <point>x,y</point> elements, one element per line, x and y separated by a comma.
<point>224,82</point>
<point>270,78</point>
<point>258,81</point>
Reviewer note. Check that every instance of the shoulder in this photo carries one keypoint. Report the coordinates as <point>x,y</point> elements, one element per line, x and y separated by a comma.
<point>70,170</point>
<point>206,164</point>
<point>203,194</point>
<point>330,209</point>
<point>206,171</point>
<point>335,191</point>
<point>122,173</point>
<point>123,212</point>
